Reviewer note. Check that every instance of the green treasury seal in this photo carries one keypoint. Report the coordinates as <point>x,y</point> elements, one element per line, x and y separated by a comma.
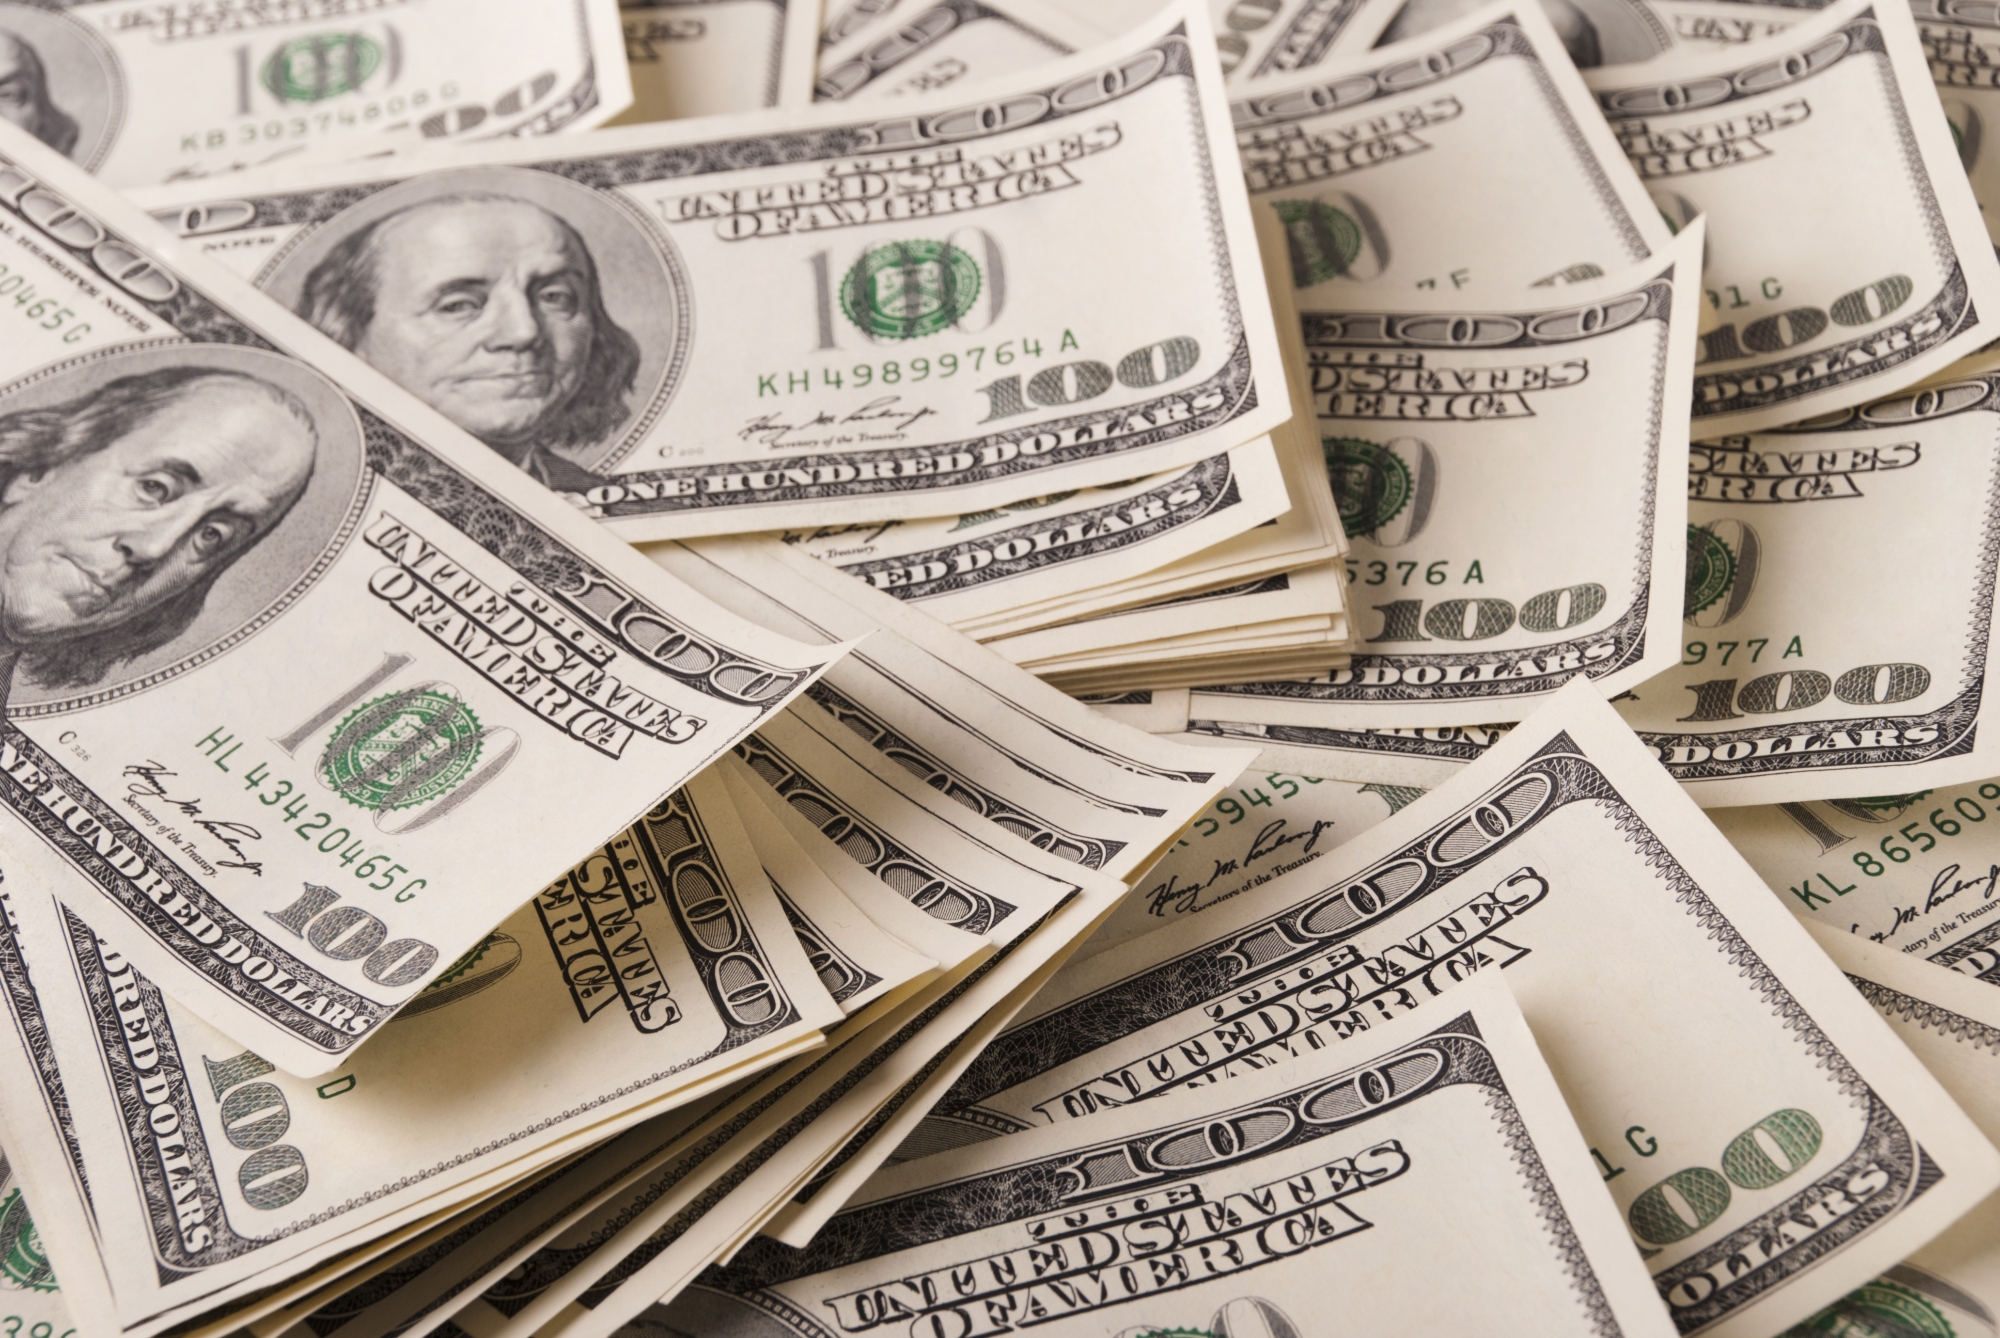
<point>1371,484</point>
<point>403,749</point>
<point>905,290</point>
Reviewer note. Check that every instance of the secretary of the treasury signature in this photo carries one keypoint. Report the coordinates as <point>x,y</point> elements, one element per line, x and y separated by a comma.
<point>149,781</point>
<point>883,419</point>
<point>1173,897</point>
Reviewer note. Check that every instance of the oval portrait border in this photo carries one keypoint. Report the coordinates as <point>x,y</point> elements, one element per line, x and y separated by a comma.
<point>593,214</point>
<point>232,357</point>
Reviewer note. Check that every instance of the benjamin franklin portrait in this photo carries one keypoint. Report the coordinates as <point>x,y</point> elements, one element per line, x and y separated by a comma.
<point>24,95</point>
<point>120,508</point>
<point>489,308</point>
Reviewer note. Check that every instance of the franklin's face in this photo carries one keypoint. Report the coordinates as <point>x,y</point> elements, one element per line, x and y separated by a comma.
<point>482,311</point>
<point>22,94</point>
<point>103,537</point>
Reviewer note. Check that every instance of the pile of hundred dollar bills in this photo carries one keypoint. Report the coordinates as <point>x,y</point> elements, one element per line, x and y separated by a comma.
<point>954,668</point>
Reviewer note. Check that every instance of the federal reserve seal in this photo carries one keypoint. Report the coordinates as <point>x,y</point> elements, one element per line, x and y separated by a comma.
<point>1384,490</point>
<point>1881,1309</point>
<point>906,290</point>
<point>1322,242</point>
<point>1722,561</point>
<point>403,749</point>
<point>23,1264</point>
<point>1370,485</point>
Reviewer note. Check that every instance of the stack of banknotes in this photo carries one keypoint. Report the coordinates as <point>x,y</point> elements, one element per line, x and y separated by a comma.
<point>993,700</point>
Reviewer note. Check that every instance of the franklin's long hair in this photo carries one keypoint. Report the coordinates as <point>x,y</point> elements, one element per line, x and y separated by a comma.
<point>34,441</point>
<point>53,126</point>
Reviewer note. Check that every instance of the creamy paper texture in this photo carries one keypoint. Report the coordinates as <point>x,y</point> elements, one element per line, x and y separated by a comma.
<point>1354,156</point>
<point>285,647</point>
<point>141,93</point>
<point>1953,1026</point>
<point>30,1292</point>
<point>1805,320</point>
<point>971,726</point>
<point>710,57</point>
<point>1785,691</point>
<point>1235,1208</point>
<point>830,315</point>
<point>660,968</point>
<point>1917,873</point>
<point>961,568</point>
<point>923,48</point>
<point>1265,40</point>
<point>1395,755</point>
<point>1466,611</point>
<point>1633,936</point>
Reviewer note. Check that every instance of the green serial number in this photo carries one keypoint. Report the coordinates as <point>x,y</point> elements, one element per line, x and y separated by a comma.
<point>43,311</point>
<point>1286,785</point>
<point>313,826</point>
<point>898,371</point>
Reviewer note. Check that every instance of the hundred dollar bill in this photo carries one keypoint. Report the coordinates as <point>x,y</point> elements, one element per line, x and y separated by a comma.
<point>709,57</point>
<point>486,1263</point>
<point>409,1295</point>
<point>733,1173</point>
<point>1399,756</point>
<point>1307,533</point>
<point>140,92</point>
<point>808,317</point>
<point>854,1122</point>
<point>857,959</point>
<point>1301,646</point>
<point>489,1256</point>
<point>1353,157</point>
<point>964,722</point>
<point>658,1255</point>
<point>896,1116</point>
<point>552,1257</point>
<point>1962,43</point>
<point>1803,323</point>
<point>283,648</point>
<point>1952,1285</point>
<point>951,863</point>
<point>1919,873</point>
<point>925,47</point>
<point>1689,967</point>
<point>31,1303</point>
<point>1248,1208</point>
<point>1784,693</point>
<point>960,568</point>
<point>1468,610</point>
<point>658,970</point>
<point>1268,39</point>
